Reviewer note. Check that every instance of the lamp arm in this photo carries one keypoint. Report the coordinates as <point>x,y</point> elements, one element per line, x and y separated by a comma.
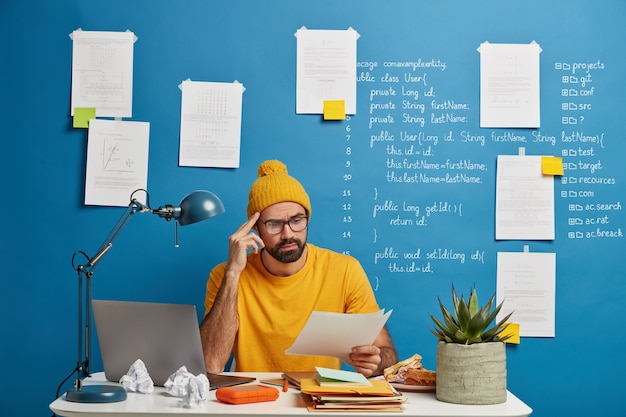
<point>132,208</point>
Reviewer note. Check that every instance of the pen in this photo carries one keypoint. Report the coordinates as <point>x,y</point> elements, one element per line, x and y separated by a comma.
<point>286,385</point>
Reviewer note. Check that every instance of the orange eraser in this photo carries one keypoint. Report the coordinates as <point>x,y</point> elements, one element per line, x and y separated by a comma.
<point>248,393</point>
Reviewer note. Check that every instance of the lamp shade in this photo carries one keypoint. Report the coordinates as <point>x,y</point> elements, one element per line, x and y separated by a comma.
<point>198,206</point>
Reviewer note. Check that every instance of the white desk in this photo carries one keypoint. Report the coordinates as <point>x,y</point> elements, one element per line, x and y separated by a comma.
<point>291,403</point>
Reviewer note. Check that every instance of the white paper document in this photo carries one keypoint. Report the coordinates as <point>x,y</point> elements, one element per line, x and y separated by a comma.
<point>524,199</point>
<point>326,69</point>
<point>102,72</point>
<point>117,161</point>
<point>335,334</point>
<point>509,85</point>
<point>527,286</point>
<point>210,124</point>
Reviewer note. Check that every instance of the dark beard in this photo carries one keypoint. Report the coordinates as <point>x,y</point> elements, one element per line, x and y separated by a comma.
<point>286,257</point>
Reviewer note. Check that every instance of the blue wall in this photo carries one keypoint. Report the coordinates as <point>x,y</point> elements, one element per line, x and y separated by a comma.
<point>577,373</point>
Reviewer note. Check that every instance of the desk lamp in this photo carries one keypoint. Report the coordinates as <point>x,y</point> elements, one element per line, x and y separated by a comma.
<point>195,207</point>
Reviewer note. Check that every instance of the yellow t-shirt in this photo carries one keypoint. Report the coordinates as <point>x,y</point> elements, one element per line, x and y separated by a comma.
<point>273,310</point>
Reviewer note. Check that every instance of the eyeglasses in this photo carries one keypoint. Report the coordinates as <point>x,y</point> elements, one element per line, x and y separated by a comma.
<point>274,227</point>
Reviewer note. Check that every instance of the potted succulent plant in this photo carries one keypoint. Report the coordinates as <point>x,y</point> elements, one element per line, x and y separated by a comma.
<point>471,355</point>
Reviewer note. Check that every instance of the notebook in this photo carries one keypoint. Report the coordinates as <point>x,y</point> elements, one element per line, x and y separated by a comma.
<point>164,336</point>
<point>294,378</point>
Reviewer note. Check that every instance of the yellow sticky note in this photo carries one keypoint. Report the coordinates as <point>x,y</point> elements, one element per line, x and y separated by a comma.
<point>551,165</point>
<point>82,115</point>
<point>513,330</point>
<point>334,109</point>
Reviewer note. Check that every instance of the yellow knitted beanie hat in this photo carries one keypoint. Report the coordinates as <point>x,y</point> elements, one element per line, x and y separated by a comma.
<point>275,185</point>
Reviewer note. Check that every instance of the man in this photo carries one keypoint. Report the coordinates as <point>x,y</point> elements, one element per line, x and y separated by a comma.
<point>261,297</point>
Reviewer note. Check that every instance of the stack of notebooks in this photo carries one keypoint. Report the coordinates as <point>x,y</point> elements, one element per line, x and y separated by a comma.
<point>338,390</point>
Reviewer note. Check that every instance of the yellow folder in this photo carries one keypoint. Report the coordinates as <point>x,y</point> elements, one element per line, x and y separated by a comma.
<point>379,387</point>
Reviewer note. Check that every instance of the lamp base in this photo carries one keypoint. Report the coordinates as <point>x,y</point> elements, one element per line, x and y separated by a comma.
<point>97,394</point>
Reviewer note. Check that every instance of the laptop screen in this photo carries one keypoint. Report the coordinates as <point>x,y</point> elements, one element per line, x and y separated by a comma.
<point>164,336</point>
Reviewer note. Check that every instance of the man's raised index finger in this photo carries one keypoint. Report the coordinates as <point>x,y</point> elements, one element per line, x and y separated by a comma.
<point>252,221</point>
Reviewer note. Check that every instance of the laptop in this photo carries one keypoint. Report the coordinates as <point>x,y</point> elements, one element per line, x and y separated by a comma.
<point>164,336</point>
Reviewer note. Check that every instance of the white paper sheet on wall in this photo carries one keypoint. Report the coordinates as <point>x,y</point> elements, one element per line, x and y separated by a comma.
<point>117,161</point>
<point>524,199</point>
<point>326,69</point>
<point>210,124</point>
<point>526,284</point>
<point>102,72</point>
<point>509,85</point>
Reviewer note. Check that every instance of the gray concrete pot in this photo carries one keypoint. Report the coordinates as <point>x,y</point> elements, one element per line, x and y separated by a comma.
<point>471,374</point>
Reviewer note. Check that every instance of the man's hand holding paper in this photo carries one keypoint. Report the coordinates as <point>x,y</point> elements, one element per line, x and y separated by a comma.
<point>335,334</point>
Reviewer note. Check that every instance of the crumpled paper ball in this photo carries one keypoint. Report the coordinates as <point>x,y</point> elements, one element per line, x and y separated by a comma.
<point>178,382</point>
<point>197,391</point>
<point>138,379</point>
<point>194,390</point>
